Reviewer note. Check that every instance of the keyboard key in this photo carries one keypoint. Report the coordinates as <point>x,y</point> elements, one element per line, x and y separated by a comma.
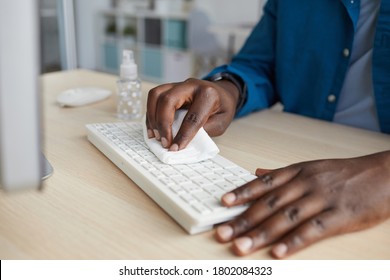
<point>201,208</point>
<point>180,179</point>
<point>202,195</point>
<point>188,198</point>
<point>192,188</point>
<point>170,172</point>
<point>167,181</point>
<point>226,186</point>
<point>202,182</point>
<point>213,204</point>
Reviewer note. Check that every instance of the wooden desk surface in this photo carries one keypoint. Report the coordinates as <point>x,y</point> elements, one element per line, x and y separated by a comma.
<point>89,209</point>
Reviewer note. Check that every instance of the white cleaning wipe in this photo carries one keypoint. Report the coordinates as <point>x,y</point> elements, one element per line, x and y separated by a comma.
<point>201,147</point>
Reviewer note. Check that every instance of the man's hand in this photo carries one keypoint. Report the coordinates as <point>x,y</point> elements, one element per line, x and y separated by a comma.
<point>210,105</point>
<point>296,206</point>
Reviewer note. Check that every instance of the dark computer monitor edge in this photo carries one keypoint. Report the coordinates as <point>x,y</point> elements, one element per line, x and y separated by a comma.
<point>47,168</point>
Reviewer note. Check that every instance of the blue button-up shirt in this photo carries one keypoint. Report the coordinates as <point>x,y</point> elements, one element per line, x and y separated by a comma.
<point>298,54</point>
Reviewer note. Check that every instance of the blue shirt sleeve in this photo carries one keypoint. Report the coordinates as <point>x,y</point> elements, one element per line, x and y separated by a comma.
<point>299,54</point>
<point>255,64</point>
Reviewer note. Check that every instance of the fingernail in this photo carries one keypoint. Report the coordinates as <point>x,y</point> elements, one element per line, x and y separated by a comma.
<point>174,148</point>
<point>229,198</point>
<point>164,142</point>
<point>280,250</point>
<point>158,137</point>
<point>150,133</point>
<point>244,244</point>
<point>225,232</point>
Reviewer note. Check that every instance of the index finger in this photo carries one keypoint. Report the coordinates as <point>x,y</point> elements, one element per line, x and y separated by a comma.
<point>265,183</point>
<point>151,106</point>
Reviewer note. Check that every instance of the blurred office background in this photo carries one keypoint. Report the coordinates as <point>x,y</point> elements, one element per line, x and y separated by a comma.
<point>172,39</point>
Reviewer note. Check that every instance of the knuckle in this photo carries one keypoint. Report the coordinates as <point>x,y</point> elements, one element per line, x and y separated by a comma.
<point>209,93</point>
<point>165,99</point>
<point>203,90</point>
<point>267,179</point>
<point>154,92</point>
<point>318,224</point>
<point>245,192</point>
<point>292,214</point>
<point>193,119</point>
<point>271,201</point>
<point>242,224</point>
<point>190,80</point>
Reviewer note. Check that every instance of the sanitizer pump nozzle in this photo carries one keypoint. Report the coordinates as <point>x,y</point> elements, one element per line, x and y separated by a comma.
<point>128,68</point>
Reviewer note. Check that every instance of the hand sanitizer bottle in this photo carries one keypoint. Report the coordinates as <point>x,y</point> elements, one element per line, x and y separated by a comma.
<point>129,104</point>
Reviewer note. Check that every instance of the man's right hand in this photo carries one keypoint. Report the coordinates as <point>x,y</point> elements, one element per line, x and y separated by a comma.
<point>210,105</point>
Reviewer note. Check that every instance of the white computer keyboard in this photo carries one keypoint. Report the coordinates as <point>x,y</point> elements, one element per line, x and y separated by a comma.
<point>190,194</point>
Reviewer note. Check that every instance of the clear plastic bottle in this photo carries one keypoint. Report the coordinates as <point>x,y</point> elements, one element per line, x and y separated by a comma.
<point>129,104</point>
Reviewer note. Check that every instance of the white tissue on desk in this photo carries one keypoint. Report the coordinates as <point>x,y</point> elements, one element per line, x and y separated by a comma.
<point>202,147</point>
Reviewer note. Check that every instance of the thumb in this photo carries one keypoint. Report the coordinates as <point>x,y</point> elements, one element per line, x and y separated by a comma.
<point>217,124</point>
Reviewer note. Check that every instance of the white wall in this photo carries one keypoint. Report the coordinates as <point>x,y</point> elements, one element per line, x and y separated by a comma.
<point>86,19</point>
<point>227,14</point>
<point>231,11</point>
